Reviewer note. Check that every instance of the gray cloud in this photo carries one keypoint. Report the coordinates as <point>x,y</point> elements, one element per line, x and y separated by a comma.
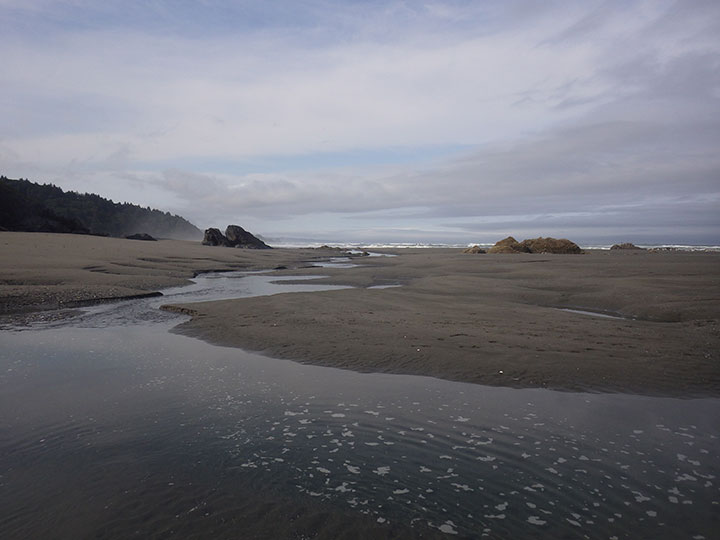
<point>595,119</point>
<point>596,177</point>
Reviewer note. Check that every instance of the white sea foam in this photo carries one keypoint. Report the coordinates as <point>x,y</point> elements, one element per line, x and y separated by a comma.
<point>448,528</point>
<point>364,246</point>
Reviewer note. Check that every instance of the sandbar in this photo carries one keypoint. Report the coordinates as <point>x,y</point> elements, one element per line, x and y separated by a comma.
<point>488,319</point>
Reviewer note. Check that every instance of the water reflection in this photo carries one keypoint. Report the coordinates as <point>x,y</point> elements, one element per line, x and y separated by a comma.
<point>336,262</point>
<point>135,418</point>
<point>204,288</point>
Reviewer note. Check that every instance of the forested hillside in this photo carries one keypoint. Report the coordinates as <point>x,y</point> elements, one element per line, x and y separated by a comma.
<point>27,206</point>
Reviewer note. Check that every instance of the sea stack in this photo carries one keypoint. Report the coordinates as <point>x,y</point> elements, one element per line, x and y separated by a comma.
<point>235,236</point>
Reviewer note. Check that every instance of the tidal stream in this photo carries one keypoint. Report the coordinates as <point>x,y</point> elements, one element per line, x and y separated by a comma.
<point>111,426</point>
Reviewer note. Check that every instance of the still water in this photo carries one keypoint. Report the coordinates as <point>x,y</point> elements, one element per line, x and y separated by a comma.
<point>113,427</point>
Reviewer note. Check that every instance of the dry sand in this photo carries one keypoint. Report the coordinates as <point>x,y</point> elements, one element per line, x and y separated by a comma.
<point>489,319</point>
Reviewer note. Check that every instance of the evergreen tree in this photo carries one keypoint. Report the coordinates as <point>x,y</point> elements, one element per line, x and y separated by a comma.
<point>28,206</point>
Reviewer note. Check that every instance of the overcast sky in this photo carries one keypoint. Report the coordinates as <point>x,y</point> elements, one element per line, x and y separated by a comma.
<point>447,121</point>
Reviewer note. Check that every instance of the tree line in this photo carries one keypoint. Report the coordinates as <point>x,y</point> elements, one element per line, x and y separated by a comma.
<point>32,207</point>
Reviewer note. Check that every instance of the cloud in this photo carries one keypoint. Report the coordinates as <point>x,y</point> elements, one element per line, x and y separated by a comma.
<point>543,115</point>
<point>266,92</point>
<point>614,173</point>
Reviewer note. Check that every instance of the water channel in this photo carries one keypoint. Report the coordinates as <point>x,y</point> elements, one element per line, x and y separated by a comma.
<point>111,426</point>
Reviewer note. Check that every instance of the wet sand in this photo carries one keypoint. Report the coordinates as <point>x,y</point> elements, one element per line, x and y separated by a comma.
<point>40,271</point>
<point>487,319</point>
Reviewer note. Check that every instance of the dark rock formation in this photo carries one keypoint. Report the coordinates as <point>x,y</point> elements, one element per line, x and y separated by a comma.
<point>234,236</point>
<point>141,236</point>
<point>508,245</point>
<point>239,237</point>
<point>213,237</point>
<point>535,245</point>
<point>474,249</point>
<point>626,245</point>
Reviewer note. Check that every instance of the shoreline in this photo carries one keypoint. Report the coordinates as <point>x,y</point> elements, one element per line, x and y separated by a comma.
<point>47,272</point>
<point>486,319</point>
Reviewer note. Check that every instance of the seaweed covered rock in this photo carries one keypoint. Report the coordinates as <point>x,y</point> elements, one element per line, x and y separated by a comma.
<point>535,245</point>
<point>508,245</point>
<point>551,245</point>
<point>626,245</point>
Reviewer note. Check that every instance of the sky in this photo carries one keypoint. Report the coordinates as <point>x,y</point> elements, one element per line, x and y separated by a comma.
<point>376,121</point>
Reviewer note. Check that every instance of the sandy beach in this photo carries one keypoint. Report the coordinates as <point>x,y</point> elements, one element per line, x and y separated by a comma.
<point>40,271</point>
<point>486,319</point>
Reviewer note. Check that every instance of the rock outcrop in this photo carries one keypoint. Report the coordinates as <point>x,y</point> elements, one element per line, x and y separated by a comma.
<point>508,245</point>
<point>141,236</point>
<point>474,249</point>
<point>239,237</point>
<point>627,245</point>
<point>235,236</point>
<point>213,237</point>
<point>551,245</point>
<point>536,245</point>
